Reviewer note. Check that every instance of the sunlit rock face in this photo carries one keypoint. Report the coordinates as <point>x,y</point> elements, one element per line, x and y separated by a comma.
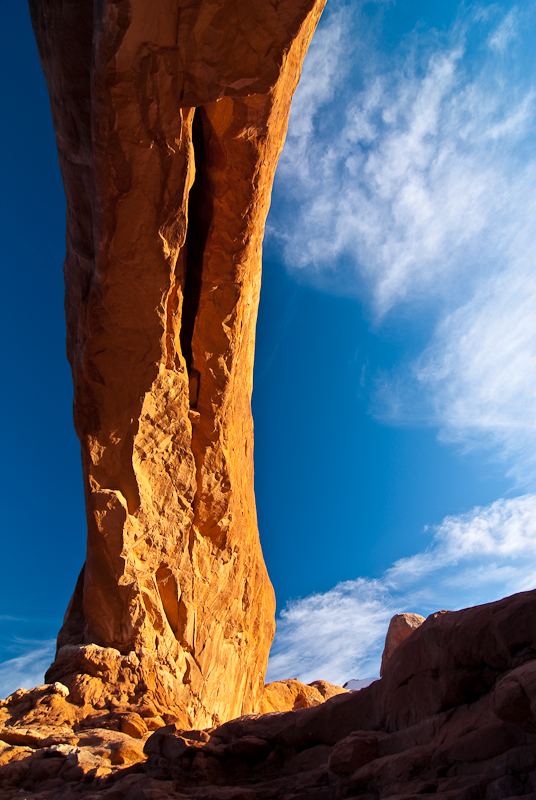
<point>291,694</point>
<point>170,116</point>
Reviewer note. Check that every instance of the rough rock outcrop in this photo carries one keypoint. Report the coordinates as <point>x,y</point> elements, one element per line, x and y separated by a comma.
<point>290,695</point>
<point>170,116</point>
<point>454,716</point>
<point>400,627</point>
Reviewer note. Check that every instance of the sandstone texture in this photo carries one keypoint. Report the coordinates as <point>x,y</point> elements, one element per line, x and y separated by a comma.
<point>170,116</point>
<point>290,695</point>
<point>454,716</point>
<point>400,627</point>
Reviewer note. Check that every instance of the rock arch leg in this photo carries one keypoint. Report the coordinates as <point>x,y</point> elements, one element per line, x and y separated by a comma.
<point>170,117</point>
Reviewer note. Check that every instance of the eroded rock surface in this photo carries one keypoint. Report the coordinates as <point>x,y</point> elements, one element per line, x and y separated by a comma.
<point>169,117</point>
<point>400,627</point>
<point>292,694</point>
<point>454,716</point>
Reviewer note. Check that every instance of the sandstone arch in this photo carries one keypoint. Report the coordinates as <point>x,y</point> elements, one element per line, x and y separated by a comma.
<point>170,117</point>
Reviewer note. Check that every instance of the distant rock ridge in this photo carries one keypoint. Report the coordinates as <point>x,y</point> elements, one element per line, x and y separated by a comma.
<point>170,116</point>
<point>291,694</point>
<point>356,684</point>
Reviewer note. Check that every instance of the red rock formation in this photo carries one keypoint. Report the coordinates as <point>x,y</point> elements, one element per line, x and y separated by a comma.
<point>400,627</point>
<point>453,716</point>
<point>170,117</point>
<point>290,695</point>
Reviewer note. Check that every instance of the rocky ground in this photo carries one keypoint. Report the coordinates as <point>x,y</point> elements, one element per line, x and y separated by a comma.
<point>454,715</point>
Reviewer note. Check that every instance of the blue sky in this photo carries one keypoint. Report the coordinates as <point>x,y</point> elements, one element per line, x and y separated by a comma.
<point>394,397</point>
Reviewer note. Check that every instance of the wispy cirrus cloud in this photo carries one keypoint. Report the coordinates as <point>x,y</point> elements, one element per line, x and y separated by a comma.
<point>480,370</point>
<point>475,557</point>
<point>333,636</point>
<point>505,32</point>
<point>417,175</point>
<point>412,183</point>
<point>26,670</point>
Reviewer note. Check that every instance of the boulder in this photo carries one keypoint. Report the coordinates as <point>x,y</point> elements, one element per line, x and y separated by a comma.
<point>400,627</point>
<point>291,694</point>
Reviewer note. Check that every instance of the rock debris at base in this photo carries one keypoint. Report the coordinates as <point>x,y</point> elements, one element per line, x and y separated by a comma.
<point>454,716</point>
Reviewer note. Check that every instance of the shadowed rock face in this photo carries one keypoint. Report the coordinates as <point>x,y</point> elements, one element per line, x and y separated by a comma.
<point>400,627</point>
<point>170,116</point>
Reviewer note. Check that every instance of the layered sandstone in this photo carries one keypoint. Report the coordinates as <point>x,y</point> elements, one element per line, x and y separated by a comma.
<point>170,116</point>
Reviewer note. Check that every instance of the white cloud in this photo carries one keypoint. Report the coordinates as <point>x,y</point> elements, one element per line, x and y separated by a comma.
<point>27,670</point>
<point>329,636</point>
<point>413,183</point>
<point>476,557</point>
<point>504,530</point>
<point>480,369</point>
<point>506,31</point>
<point>325,66</point>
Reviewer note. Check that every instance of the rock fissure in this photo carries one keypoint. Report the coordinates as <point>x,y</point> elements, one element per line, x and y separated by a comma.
<point>200,211</point>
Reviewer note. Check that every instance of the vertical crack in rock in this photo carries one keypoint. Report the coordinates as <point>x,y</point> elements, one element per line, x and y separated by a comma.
<point>170,595</point>
<point>200,209</point>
